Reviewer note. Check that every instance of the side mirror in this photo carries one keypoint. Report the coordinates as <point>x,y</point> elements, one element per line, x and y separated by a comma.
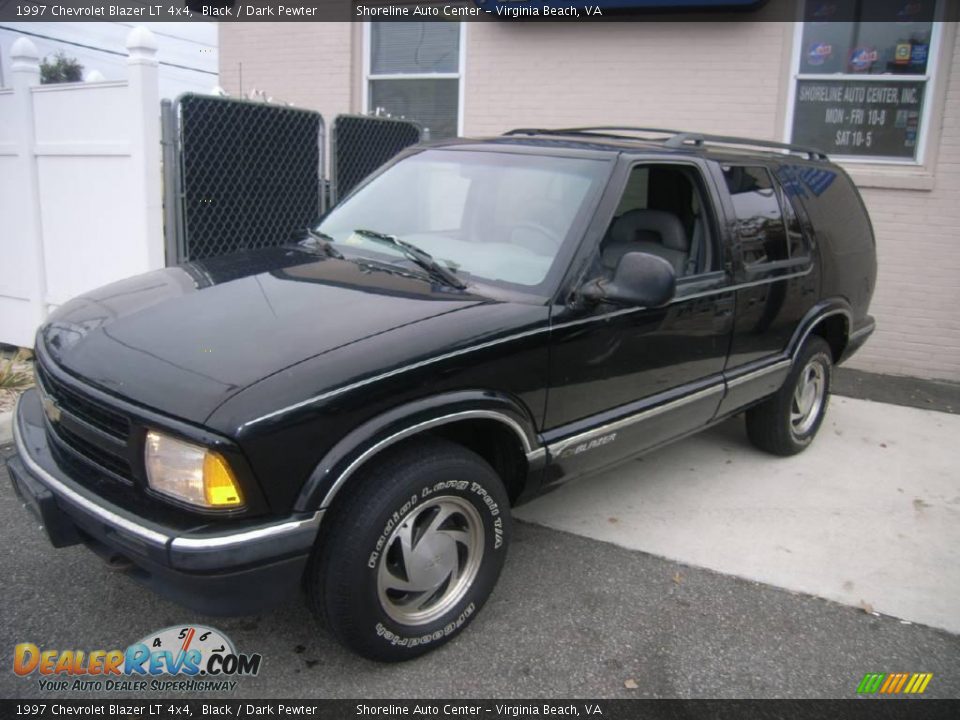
<point>639,279</point>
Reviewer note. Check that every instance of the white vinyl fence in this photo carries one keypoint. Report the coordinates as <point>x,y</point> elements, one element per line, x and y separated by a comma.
<point>80,184</point>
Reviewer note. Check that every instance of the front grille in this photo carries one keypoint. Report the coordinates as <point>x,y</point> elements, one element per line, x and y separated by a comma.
<point>87,410</point>
<point>91,438</point>
<point>106,460</point>
<point>80,467</point>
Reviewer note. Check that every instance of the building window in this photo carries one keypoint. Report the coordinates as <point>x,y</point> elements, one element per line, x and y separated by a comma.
<point>414,71</point>
<point>861,90</point>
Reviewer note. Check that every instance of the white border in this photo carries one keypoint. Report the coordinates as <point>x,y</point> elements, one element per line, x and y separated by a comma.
<point>930,78</point>
<point>459,75</point>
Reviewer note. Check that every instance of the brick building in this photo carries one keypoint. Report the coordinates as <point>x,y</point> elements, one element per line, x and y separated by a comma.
<point>881,98</point>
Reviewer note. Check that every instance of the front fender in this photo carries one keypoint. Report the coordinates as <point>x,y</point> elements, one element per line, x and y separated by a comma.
<point>379,433</point>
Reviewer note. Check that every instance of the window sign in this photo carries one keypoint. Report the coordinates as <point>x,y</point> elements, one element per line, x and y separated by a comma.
<point>860,87</point>
<point>850,117</point>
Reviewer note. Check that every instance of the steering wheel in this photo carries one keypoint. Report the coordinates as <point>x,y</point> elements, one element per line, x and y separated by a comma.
<point>531,236</point>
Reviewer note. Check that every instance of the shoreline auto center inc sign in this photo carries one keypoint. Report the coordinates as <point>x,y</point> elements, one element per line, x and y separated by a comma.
<point>859,117</point>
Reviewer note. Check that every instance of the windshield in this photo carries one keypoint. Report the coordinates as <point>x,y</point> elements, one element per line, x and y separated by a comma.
<point>496,217</point>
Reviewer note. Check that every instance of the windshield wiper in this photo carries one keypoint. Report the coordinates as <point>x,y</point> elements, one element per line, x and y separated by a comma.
<point>420,257</point>
<point>323,241</point>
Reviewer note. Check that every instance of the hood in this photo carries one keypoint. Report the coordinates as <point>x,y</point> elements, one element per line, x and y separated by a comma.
<point>183,340</point>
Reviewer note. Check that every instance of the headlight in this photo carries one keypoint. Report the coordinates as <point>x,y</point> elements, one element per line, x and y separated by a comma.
<point>190,473</point>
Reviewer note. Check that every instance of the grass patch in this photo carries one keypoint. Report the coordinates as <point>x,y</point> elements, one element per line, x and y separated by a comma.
<point>16,375</point>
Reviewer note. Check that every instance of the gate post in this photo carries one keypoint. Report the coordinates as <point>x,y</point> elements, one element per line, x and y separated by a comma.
<point>171,198</point>
<point>26,76</point>
<point>144,87</point>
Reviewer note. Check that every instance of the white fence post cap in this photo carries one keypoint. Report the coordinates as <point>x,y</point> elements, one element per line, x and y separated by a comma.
<point>141,43</point>
<point>24,52</point>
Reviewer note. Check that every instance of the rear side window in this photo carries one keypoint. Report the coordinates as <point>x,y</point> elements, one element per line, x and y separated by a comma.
<point>831,205</point>
<point>763,237</point>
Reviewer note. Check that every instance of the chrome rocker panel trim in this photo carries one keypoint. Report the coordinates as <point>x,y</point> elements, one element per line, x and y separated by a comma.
<point>776,366</point>
<point>559,446</point>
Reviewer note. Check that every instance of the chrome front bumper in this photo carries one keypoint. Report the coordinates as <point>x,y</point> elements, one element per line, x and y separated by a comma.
<point>272,555</point>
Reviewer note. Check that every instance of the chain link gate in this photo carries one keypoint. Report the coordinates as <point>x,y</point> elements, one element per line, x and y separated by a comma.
<point>360,144</point>
<point>238,175</point>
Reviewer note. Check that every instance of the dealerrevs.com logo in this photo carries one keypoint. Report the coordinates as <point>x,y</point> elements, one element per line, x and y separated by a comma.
<point>180,658</point>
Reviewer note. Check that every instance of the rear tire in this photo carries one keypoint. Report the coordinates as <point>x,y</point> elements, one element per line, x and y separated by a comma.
<point>412,553</point>
<point>786,423</point>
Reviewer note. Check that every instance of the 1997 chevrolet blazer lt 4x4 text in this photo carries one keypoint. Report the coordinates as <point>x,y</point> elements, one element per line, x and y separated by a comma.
<point>357,412</point>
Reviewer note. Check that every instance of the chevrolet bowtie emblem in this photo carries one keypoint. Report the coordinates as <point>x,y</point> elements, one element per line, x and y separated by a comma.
<point>51,408</point>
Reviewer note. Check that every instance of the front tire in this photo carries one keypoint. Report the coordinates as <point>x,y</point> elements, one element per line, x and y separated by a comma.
<point>786,423</point>
<point>412,553</point>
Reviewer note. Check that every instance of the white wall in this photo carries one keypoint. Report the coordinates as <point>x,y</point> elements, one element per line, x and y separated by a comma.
<point>310,65</point>
<point>80,192</point>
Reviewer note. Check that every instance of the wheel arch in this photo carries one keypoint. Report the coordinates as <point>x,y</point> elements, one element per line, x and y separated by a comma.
<point>497,427</point>
<point>832,320</point>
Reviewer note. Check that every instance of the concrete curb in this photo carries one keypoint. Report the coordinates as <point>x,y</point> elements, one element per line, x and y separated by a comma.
<point>939,395</point>
<point>6,428</point>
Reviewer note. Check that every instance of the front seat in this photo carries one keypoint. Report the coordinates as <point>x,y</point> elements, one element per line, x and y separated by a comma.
<point>651,231</point>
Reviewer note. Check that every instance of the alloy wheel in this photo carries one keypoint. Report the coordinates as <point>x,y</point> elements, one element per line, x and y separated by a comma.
<point>430,560</point>
<point>808,397</point>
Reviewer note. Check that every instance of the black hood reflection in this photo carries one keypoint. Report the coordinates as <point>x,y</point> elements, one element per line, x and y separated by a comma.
<point>186,338</point>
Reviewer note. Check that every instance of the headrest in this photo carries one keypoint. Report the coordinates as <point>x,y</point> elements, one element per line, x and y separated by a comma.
<point>636,225</point>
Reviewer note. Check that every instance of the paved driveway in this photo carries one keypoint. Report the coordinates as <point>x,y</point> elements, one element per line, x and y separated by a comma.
<point>869,515</point>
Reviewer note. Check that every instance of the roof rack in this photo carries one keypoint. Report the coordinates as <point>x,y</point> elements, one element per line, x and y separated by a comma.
<point>598,130</point>
<point>699,139</point>
<point>676,139</point>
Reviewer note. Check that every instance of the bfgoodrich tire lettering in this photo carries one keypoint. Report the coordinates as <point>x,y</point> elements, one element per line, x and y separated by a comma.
<point>412,552</point>
<point>787,422</point>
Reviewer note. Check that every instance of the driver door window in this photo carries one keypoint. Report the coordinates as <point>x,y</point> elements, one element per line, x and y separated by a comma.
<point>662,212</point>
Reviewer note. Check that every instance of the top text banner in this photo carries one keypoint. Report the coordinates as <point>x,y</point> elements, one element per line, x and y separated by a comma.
<point>411,11</point>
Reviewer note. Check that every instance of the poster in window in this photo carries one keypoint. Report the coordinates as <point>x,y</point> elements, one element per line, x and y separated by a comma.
<point>865,48</point>
<point>859,118</point>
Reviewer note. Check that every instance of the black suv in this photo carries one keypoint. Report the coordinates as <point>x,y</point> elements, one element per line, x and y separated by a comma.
<point>357,412</point>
